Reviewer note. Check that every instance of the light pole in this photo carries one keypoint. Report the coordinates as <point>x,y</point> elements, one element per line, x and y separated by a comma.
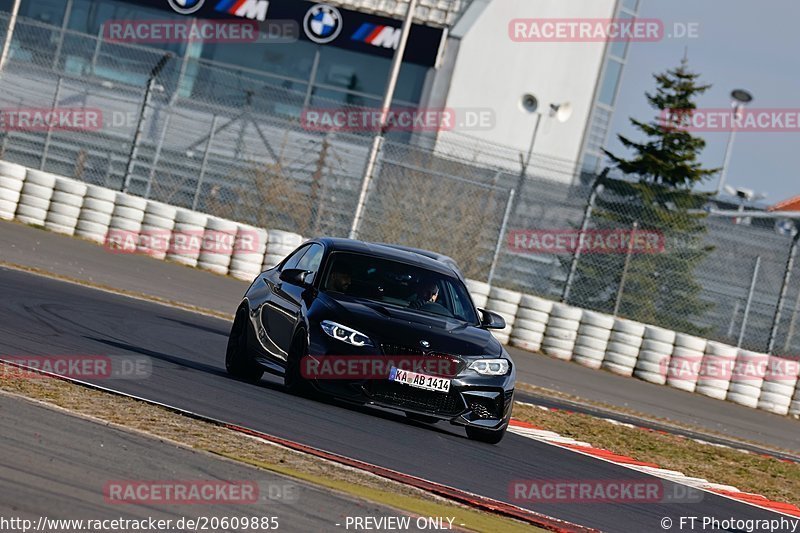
<point>377,142</point>
<point>530,104</point>
<point>739,99</point>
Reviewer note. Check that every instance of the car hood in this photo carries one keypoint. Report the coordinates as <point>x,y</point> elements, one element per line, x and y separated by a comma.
<point>386,324</point>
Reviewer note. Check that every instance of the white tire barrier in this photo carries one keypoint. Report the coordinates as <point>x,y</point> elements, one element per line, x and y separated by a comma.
<point>279,245</point>
<point>156,232</point>
<point>12,178</point>
<point>656,350</point>
<point>187,237</point>
<point>218,241</point>
<point>562,331</point>
<point>747,378</point>
<point>623,347</point>
<point>684,365</point>
<point>592,341</point>
<point>716,370</point>
<point>778,388</point>
<point>530,322</point>
<point>35,195</point>
<point>479,291</point>
<point>505,303</point>
<point>65,206</point>
<point>126,223</point>
<point>248,252</point>
<point>95,215</point>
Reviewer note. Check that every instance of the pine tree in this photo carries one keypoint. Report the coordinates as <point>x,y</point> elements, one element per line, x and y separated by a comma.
<point>657,194</point>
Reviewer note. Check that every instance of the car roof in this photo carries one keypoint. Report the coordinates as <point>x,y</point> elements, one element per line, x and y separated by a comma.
<point>406,255</point>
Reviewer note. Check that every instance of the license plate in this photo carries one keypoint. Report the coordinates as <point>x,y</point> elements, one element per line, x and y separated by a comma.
<point>419,381</point>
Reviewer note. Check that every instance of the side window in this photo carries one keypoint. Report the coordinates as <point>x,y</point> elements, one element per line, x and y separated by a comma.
<point>311,261</point>
<point>294,259</point>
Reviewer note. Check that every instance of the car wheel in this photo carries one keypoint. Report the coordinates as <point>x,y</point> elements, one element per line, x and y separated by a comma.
<point>293,381</point>
<point>486,435</point>
<point>416,417</point>
<point>238,362</point>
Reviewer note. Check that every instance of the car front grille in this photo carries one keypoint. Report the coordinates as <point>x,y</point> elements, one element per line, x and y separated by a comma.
<point>396,349</point>
<point>406,397</point>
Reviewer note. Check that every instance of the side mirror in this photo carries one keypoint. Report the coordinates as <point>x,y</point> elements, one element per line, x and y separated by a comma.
<point>295,276</point>
<point>491,320</point>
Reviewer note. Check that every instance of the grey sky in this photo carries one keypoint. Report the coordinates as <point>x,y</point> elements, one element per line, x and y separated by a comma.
<point>755,46</point>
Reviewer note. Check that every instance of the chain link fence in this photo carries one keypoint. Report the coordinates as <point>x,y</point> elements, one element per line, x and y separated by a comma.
<point>231,142</point>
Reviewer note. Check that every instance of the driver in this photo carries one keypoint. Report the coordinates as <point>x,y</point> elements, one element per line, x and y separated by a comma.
<point>428,293</point>
<point>340,279</point>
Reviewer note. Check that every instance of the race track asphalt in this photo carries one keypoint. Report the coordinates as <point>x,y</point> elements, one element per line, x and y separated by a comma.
<point>40,316</point>
<point>78,259</point>
<point>55,466</point>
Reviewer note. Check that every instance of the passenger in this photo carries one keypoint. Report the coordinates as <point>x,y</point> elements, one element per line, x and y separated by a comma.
<point>428,293</point>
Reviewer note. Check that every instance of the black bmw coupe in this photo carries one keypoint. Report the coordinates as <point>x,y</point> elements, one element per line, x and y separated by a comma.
<point>380,325</point>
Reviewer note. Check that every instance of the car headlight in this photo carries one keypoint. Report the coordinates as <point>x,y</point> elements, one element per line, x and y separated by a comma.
<point>345,334</point>
<point>490,367</point>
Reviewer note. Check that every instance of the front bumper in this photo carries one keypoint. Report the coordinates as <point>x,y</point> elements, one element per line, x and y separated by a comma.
<point>473,400</point>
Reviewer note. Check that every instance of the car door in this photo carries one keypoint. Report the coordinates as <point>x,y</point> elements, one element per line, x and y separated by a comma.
<point>276,310</point>
<point>287,299</point>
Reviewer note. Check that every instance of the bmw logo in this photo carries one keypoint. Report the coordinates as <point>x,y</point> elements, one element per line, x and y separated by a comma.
<point>186,7</point>
<point>323,23</point>
<point>425,344</point>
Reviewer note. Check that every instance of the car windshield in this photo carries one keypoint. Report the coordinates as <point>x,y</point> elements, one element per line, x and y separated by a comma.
<point>400,284</point>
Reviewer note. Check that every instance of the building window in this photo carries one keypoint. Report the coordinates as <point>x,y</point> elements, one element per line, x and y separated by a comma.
<point>608,89</point>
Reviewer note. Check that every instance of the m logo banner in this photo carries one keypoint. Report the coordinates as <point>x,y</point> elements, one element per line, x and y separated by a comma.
<point>378,35</point>
<point>249,9</point>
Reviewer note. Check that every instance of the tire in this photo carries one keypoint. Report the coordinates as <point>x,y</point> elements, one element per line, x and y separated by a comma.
<point>157,221</point>
<point>96,217</point>
<point>586,353</point>
<point>721,350</point>
<point>533,315</point>
<point>529,325</point>
<point>654,333</point>
<point>87,226</point>
<point>9,196</point>
<point>650,377</point>
<point>485,435</point>
<point>190,218</point>
<point>276,236</point>
<point>160,210</point>
<point>620,359</point>
<point>534,303</point>
<point>656,358</point>
<point>557,344</point>
<point>629,327</point>
<point>216,269</point>
<point>101,193</point>
<point>70,186</point>
<point>502,307</point>
<point>73,200</point>
<point>742,399</point>
<point>625,338</point>
<point>125,224</point>
<point>588,362</point>
<point>623,349</point>
<point>10,183</point>
<point>525,345</point>
<point>505,295</point>
<point>64,210</point>
<point>221,225</point>
<point>711,391</point>
<point>597,320</point>
<point>61,220</point>
<point>34,201</point>
<point>37,177</point>
<point>526,335</point>
<point>650,345</point>
<point>121,211</point>
<point>7,209</point>
<point>561,333</point>
<point>293,382</point>
<point>238,362</point>
<point>95,204</point>
<point>563,323</point>
<point>416,417</point>
<point>12,170</point>
<point>477,287</point>
<point>585,330</point>
<point>566,311</point>
<point>58,228</point>
<point>131,202</point>
<point>220,260</point>
<point>622,370</point>
<point>691,342</point>
<point>31,215</point>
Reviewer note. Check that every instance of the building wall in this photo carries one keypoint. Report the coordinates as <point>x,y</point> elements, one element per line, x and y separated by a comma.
<point>493,71</point>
